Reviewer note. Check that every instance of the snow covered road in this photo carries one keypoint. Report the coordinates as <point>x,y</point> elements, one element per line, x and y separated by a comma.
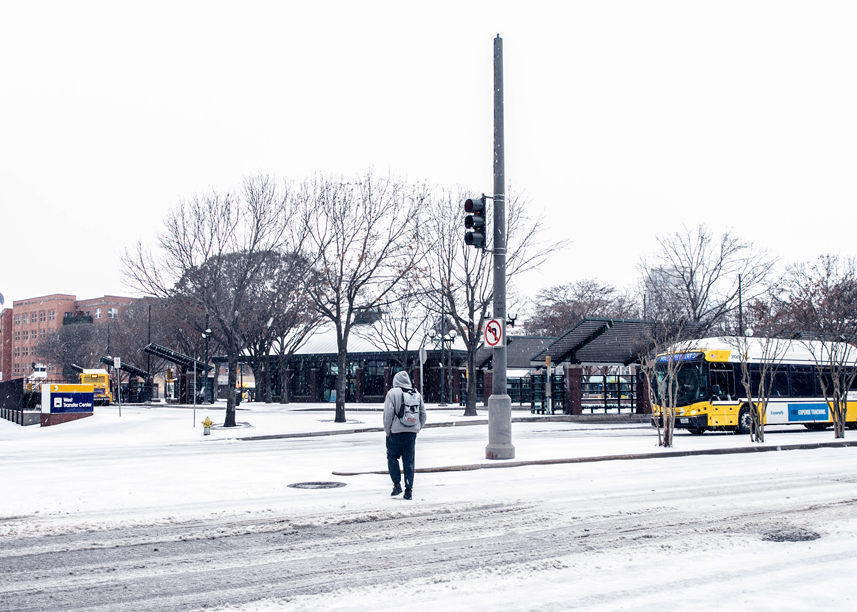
<point>207,525</point>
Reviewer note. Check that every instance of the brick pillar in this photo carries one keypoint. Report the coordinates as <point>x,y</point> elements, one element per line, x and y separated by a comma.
<point>314,384</point>
<point>644,406</point>
<point>359,384</point>
<point>415,378</point>
<point>451,385</point>
<point>388,380</point>
<point>573,390</point>
<point>487,384</point>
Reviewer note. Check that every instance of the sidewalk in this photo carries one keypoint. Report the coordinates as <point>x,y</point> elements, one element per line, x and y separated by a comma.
<point>449,442</point>
<point>539,439</point>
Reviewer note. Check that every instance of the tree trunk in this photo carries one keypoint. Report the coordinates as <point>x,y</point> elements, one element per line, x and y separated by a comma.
<point>341,377</point>
<point>268,397</point>
<point>284,380</point>
<point>232,379</point>
<point>839,407</point>
<point>470,402</point>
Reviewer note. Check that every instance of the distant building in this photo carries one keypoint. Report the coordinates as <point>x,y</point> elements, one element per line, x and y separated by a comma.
<point>31,320</point>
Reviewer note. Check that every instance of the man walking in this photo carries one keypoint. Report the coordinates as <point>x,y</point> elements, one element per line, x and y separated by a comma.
<point>404,416</point>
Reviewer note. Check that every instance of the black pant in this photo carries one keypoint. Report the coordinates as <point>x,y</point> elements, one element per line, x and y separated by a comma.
<point>401,445</point>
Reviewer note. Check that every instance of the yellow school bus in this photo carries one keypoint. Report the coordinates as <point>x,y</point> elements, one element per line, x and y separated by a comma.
<point>100,380</point>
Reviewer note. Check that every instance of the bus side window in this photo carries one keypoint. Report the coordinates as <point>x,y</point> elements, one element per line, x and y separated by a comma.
<point>780,388</point>
<point>802,378</point>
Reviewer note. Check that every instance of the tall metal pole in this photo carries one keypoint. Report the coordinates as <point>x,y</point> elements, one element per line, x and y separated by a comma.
<point>443,351</point>
<point>740,309</point>
<point>205,386</point>
<point>499,404</point>
<point>149,361</point>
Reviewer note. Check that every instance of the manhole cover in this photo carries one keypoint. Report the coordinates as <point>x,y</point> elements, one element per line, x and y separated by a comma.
<point>317,485</point>
<point>791,535</point>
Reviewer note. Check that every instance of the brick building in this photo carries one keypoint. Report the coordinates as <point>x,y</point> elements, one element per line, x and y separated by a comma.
<point>31,320</point>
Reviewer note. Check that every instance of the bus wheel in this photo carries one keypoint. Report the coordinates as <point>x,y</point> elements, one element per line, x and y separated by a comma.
<point>696,431</point>
<point>745,422</point>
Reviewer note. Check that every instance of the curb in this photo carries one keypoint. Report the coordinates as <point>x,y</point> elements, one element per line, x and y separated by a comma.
<point>342,432</point>
<point>663,455</point>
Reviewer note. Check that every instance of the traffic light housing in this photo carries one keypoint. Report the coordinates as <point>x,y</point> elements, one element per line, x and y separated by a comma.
<point>475,222</point>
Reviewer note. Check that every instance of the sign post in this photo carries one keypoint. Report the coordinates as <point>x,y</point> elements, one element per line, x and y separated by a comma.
<point>118,364</point>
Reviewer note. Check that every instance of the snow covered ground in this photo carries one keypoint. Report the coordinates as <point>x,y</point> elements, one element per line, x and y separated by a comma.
<point>149,514</point>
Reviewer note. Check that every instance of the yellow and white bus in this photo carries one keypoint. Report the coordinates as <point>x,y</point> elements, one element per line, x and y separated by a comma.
<point>711,396</point>
<point>100,380</point>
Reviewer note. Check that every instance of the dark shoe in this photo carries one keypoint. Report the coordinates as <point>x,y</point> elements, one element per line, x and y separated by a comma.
<point>407,494</point>
<point>397,488</point>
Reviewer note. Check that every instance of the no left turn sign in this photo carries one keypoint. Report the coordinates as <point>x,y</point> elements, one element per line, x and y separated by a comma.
<point>495,333</point>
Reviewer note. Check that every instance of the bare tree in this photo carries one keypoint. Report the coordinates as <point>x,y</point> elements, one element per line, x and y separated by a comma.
<point>276,301</point>
<point>294,317</point>
<point>211,252</point>
<point>662,365</point>
<point>558,308</point>
<point>761,359</point>
<point>821,299</point>
<point>81,344</point>
<point>458,278</point>
<point>362,239</point>
<point>693,276</point>
<point>401,327</point>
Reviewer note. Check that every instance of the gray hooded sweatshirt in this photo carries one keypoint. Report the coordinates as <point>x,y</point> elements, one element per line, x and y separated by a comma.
<point>392,403</point>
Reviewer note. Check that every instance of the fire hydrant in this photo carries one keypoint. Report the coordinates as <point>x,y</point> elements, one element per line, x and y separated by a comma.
<point>207,423</point>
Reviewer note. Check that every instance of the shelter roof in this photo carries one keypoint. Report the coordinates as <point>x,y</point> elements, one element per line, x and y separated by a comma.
<point>174,357</point>
<point>519,351</point>
<point>599,342</point>
<point>367,339</point>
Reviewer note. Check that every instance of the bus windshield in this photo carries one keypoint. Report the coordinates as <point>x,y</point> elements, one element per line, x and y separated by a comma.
<point>692,382</point>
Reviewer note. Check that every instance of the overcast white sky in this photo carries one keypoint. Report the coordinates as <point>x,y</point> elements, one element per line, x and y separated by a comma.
<point>623,119</point>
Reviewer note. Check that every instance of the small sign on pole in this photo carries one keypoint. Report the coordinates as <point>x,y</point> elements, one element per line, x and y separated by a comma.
<point>495,333</point>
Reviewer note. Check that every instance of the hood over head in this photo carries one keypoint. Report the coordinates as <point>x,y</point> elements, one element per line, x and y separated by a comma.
<point>401,379</point>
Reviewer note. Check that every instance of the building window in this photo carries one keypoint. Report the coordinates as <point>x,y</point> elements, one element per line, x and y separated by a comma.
<point>16,352</point>
<point>97,313</point>
<point>42,334</point>
<point>51,315</point>
<point>17,368</point>
<point>17,319</point>
<point>17,336</point>
<point>41,316</point>
<point>112,313</point>
<point>25,352</point>
<point>25,318</point>
<point>68,315</point>
<point>26,335</point>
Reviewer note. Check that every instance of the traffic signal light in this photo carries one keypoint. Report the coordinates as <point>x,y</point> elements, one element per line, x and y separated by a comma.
<point>475,222</point>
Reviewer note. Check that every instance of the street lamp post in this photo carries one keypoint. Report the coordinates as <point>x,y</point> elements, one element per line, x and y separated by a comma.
<point>206,335</point>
